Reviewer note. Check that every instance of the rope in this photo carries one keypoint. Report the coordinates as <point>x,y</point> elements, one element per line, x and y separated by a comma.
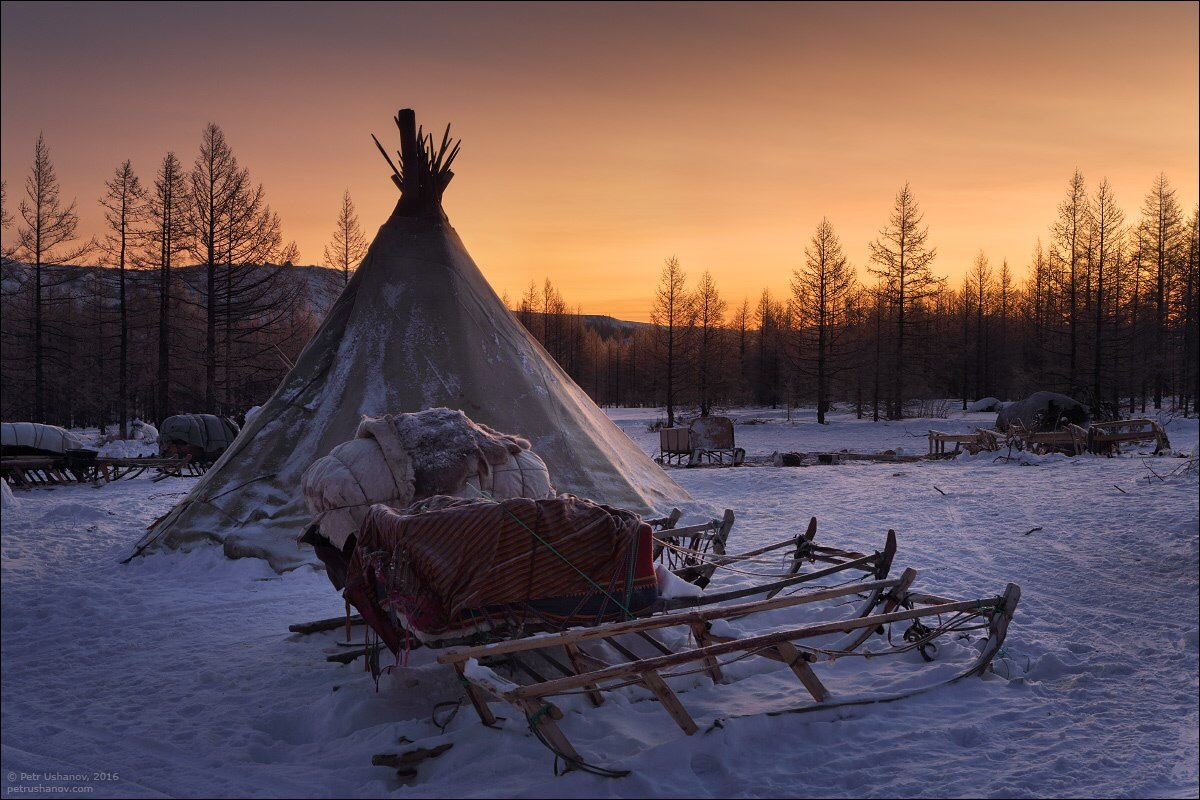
<point>918,633</point>
<point>572,763</point>
<point>696,558</point>
<point>629,571</point>
<point>454,706</point>
<point>537,716</point>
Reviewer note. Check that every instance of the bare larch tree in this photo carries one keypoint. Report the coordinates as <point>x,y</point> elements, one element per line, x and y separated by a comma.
<point>821,292</point>
<point>710,343</point>
<point>902,262</point>
<point>669,315</point>
<point>124,204</point>
<point>349,244</point>
<point>166,236</point>
<point>42,241</point>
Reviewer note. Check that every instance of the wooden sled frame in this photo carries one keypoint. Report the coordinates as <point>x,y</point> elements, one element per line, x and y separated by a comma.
<point>26,472</point>
<point>699,550</point>
<point>685,551</point>
<point>876,565</point>
<point>731,457</point>
<point>674,446</point>
<point>1105,437</point>
<point>1071,440</point>
<point>31,471</point>
<point>588,673</point>
<point>116,469</point>
<point>981,439</point>
<point>1101,438</point>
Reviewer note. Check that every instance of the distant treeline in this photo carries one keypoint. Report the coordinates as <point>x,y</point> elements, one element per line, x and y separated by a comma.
<point>81,321</point>
<point>142,334</point>
<point>1105,310</point>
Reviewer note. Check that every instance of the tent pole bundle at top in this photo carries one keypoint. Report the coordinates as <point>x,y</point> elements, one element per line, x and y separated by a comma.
<point>417,327</point>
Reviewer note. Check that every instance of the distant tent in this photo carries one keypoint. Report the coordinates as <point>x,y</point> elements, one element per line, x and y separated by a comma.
<point>417,327</point>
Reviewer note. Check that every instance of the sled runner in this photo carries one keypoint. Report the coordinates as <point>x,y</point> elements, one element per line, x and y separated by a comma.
<point>86,467</point>
<point>594,671</point>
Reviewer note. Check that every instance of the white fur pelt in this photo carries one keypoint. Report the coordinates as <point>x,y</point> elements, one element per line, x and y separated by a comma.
<point>402,458</point>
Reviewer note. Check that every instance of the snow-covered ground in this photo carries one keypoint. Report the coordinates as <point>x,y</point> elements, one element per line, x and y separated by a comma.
<point>175,675</point>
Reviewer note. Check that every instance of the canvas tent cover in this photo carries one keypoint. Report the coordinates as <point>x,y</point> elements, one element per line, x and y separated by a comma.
<point>31,436</point>
<point>417,327</point>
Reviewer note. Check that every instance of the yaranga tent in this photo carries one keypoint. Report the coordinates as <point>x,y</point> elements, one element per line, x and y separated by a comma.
<point>417,327</point>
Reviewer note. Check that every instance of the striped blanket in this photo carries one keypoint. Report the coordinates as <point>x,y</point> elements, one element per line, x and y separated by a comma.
<point>470,564</point>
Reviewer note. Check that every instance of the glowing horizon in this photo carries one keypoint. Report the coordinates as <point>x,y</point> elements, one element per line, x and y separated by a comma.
<point>599,140</point>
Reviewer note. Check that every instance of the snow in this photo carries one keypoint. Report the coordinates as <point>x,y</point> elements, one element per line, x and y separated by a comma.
<point>991,404</point>
<point>672,586</point>
<point>129,448</point>
<point>176,673</point>
<point>143,431</point>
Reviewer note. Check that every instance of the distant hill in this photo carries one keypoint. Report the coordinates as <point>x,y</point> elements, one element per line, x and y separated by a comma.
<point>322,285</point>
<point>607,326</point>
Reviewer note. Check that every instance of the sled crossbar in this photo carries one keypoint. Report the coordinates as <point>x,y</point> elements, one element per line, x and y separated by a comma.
<point>777,645</point>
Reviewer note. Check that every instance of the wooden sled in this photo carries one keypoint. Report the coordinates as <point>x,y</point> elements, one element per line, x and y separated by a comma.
<point>684,635</point>
<point>25,472</point>
<point>705,440</point>
<point>592,674</point>
<point>1071,440</point>
<point>981,439</point>
<point>804,551</point>
<point>696,552</point>
<point>116,469</point>
<point>685,551</point>
<point>32,471</point>
<point>1106,437</point>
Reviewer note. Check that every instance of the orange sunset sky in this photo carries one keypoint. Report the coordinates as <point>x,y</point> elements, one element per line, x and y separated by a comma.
<point>599,139</point>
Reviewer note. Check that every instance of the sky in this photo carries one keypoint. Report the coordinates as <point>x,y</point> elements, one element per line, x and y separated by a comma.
<point>601,139</point>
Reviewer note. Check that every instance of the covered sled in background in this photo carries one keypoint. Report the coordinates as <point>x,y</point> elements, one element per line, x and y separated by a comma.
<point>705,439</point>
<point>1043,411</point>
<point>398,459</point>
<point>202,436</point>
<point>36,439</point>
<point>37,455</point>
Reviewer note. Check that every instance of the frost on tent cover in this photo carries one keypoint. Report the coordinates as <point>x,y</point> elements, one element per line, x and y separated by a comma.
<point>417,327</point>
